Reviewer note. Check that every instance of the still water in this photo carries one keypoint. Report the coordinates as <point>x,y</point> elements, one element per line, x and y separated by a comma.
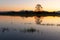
<point>14,26</point>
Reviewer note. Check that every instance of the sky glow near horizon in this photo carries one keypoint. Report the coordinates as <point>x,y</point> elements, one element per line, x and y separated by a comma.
<point>16,5</point>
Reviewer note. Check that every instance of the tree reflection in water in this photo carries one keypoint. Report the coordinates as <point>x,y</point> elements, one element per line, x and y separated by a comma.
<point>38,19</point>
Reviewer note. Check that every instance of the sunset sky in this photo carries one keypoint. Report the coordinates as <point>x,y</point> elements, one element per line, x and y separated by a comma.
<point>16,5</point>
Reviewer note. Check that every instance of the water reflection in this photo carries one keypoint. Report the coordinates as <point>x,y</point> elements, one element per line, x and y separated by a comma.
<point>13,28</point>
<point>38,19</point>
<point>47,20</point>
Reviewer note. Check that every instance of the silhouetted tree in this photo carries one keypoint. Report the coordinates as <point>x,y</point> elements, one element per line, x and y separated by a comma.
<point>38,8</point>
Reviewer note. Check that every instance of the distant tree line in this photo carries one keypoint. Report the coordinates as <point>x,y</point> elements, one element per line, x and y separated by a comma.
<point>30,13</point>
<point>38,12</point>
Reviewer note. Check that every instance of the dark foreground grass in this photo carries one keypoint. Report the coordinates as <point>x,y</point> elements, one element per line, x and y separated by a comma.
<point>30,30</point>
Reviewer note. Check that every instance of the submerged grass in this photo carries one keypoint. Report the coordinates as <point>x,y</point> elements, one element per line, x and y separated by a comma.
<point>5,29</point>
<point>21,30</point>
<point>30,30</point>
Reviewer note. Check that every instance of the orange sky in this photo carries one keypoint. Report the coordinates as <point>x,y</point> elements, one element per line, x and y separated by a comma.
<point>16,5</point>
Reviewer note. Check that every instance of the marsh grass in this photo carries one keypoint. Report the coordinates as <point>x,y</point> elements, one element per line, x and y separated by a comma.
<point>21,30</point>
<point>30,30</point>
<point>5,29</point>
